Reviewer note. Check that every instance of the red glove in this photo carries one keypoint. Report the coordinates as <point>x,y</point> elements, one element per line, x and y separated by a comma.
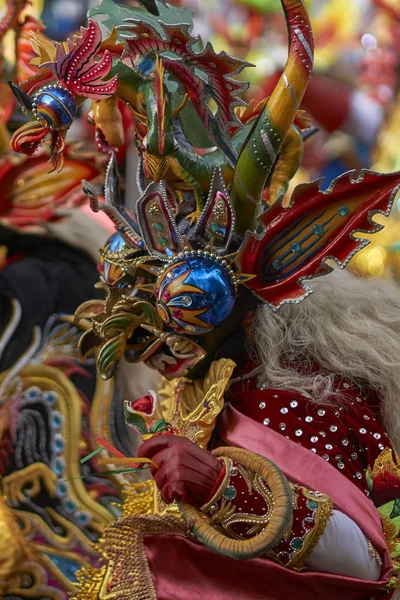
<point>186,472</point>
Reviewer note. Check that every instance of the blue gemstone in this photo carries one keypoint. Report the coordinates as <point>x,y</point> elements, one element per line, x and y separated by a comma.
<point>343,210</point>
<point>33,393</point>
<point>318,229</point>
<point>83,518</point>
<point>62,488</point>
<point>140,244</point>
<point>59,466</point>
<point>69,505</point>
<point>277,264</point>
<point>312,505</point>
<point>230,492</point>
<point>296,543</point>
<point>295,247</point>
<point>57,420</point>
<point>50,397</point>
<point>59,443</point>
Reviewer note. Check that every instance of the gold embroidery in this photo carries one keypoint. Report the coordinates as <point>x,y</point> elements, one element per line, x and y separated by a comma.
<point>125,554</point>
<point>321,516</point>
<point>192,407</point>
<point>374,553</point>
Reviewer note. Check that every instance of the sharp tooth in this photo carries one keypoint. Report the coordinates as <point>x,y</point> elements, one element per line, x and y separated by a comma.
<point>183,355</point>
<point>180,348</point>
<point>160,360</point>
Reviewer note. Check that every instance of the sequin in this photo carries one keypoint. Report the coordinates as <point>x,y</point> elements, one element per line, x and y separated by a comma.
<point>325,457</point>
<point>338,457</point>
<point>358,475</point>
<point>314,439</point>
<point>354,456</point>
<point>345,442</point>
<point>313,450</point>
<point>322,433</point>
<point>329,446</point>
<point>377,436</point>
<point>366,417</point>
<point>284,410</point>
<point>320,412</point>
<point>275,396</point>
<point>346,386</point>
<point>308,419</point>
<point>333,428</point>
<point>262,405</point>
<point>282,426</point>
<point>266,421</point>
<point>294,403</point>
<point>340,465</point>
<point>381,447</point>
<point>298,432</point>
<point>362,430</point>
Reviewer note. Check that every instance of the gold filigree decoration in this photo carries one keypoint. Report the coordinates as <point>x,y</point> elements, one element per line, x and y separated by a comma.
<point>123,548</point>
<point>192,407</point>
<point>321,516</point>
<point>13,548</point>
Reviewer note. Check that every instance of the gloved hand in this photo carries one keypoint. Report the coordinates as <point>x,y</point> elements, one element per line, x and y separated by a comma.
<point>185,471</point>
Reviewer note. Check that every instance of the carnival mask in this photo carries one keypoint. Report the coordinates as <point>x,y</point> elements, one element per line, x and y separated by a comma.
<point>172,297</point>
<point>194,257</point>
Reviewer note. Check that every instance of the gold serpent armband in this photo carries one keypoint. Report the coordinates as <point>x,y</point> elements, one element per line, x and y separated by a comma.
<point>281,513</point>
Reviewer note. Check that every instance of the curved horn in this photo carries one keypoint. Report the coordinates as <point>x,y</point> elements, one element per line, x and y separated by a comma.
<point>264,143</point>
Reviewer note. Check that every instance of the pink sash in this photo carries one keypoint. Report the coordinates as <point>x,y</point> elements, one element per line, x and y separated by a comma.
<point>308,469</point>
<point>184,570</point>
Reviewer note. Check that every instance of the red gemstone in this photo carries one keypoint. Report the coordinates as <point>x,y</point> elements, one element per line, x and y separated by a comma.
<point>156,291</point>
<point>167,295</point>
<point>177,313</point>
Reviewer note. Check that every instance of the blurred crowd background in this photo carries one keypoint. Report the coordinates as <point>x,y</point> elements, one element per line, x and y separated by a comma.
<point>353,98</point>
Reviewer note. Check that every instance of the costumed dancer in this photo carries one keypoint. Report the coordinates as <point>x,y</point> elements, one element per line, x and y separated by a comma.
<point>52,508</point>
<point>273,472</point>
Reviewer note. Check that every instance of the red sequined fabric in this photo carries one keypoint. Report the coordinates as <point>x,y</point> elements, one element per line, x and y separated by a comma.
<point>347,432</point>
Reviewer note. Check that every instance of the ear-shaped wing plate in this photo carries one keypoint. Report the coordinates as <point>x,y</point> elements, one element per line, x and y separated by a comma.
<point>318,225</point>
<point>156,222</point>
<point>217,219</point>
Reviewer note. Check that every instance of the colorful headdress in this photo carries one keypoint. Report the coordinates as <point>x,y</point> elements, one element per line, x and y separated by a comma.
<point>30,195</point>
<point>179,282</point>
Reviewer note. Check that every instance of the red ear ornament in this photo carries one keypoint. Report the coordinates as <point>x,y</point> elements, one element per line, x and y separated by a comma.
<point>318,225</point>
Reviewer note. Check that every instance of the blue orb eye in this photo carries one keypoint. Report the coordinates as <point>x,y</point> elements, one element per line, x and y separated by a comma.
<point>195,294</point>
<point>108,266</point>
<point>55,105</point>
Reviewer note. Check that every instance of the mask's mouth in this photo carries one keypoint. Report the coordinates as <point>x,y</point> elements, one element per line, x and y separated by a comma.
<point>170,354</point>
<point>102,143</point>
